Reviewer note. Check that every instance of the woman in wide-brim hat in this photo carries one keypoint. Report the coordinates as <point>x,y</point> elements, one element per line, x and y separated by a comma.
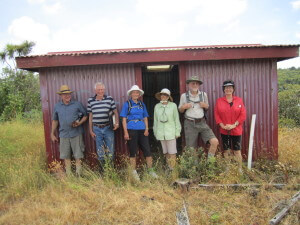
<point>230,114</point>
<point>135,125</point>
<point>166,125</point>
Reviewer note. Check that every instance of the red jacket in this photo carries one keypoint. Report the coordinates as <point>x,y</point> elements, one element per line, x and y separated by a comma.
<point>229,115</point>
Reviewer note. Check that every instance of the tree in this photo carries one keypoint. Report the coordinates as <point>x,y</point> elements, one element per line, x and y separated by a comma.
<point>11,51</point>
<point>19,89</point>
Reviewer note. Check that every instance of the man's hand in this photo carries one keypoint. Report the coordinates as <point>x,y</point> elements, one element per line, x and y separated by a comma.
<point>186,106</point>
<point>92,134</point>
<point>203,105</point>
<point>76,124</point>
<point>116,126</point>
<point>53,138</point>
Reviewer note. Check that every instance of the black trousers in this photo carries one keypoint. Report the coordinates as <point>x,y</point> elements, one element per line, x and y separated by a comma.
<point>138,139</point>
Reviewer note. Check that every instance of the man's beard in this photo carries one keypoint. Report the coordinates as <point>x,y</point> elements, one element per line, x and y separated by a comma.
<point>194,89</point>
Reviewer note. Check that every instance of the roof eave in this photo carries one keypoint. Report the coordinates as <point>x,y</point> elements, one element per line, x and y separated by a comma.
<point>34,63</point>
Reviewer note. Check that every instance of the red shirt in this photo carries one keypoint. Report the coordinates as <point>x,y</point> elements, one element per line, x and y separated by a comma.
<point>226,114</point>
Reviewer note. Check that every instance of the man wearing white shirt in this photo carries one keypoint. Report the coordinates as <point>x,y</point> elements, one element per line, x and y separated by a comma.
<point>193,104</point>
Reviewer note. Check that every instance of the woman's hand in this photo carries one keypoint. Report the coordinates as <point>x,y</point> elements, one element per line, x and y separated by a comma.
<point>126,136</point>
<point>146,133</point>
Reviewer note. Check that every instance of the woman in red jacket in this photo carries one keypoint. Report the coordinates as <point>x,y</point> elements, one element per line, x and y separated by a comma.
<point>230,113</point>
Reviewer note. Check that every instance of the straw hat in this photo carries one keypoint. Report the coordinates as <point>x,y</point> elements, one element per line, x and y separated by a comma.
<point>194,79</point>
<point>164,91</point>
<point>135,88</point>
<point>64,89</point>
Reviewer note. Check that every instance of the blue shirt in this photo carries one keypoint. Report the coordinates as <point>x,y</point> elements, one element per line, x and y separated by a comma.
<point>135,119</point>
<point>66,115</point>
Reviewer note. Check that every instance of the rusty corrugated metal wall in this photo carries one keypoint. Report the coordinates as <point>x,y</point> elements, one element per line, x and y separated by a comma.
<point>117,79</point>
<point>256,84</point>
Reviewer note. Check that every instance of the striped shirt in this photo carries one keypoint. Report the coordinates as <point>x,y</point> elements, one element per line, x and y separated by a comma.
<point>101,108</point>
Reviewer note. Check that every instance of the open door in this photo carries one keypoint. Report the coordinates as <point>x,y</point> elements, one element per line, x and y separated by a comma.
<point>153,80</point>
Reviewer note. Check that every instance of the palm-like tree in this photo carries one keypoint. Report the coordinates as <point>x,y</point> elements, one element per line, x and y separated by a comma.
<point>11,51</point>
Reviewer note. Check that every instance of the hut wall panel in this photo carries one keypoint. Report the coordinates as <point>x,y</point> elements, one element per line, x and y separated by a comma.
<point>117,79</point>
<point>256,84</point>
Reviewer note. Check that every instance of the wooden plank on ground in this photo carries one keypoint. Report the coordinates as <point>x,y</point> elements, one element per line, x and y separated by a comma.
<point>276,220</point>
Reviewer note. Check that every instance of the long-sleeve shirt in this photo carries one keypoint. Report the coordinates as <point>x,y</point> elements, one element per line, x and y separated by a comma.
<point>166,124</point>
<point>226,114</point>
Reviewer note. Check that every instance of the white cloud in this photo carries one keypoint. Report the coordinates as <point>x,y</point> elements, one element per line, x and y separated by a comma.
<point>52,9</point>
<point>298,35</point>
<point>99,34</point>
<point>207,12</point>
<point>117,33</point>
<point>166,6</point>
<point>234,25</point>
<point>25,28</point>
<point>35,1</point>
<point>220,12</point>
<point>47,6</point>
<point>296,4</point>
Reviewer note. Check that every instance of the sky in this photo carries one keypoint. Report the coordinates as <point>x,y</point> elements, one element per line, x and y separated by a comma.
<point>72,25</point>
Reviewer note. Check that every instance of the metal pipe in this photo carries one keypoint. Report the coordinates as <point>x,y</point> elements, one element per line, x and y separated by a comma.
<point>250,150</point>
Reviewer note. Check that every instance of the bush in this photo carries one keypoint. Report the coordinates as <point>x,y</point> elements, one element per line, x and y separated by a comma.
<point>19,93</point>
<point>193,165</point>
<point>289,106</point>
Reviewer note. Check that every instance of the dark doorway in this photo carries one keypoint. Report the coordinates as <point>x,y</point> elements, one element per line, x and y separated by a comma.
<point>153,82</point>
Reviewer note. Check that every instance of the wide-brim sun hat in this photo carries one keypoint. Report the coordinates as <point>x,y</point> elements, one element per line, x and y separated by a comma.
<point>135,88</point>
<point>194,79</point>
<point>164,91</point>
<point>64,89</point>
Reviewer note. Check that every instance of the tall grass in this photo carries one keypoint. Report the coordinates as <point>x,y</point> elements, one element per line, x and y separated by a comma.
<point>22,159</point>
<point>30,195</point>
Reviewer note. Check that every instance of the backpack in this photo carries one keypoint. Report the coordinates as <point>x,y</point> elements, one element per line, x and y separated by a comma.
<point>130,106</point>
<point>201,99</point>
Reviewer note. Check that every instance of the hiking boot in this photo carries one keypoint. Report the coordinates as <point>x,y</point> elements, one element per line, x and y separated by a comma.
<point>152,173</point>
<point>135,175</point>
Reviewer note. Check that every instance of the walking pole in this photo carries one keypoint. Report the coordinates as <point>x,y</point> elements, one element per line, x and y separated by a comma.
<point>250,150</point>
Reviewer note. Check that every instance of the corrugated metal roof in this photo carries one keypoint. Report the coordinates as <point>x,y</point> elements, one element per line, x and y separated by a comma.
<point>152,49</point>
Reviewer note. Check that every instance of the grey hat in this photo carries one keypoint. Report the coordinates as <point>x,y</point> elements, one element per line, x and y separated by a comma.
<point>194,79</point>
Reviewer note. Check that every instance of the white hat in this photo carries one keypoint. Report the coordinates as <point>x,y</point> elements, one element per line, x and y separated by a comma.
<point>135,88</point>
<point>164,91</point>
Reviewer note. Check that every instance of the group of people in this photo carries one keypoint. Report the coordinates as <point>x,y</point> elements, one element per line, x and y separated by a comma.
<point>69,115</point>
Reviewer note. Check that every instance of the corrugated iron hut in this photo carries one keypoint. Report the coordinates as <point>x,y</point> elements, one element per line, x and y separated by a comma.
<point>252,67</point>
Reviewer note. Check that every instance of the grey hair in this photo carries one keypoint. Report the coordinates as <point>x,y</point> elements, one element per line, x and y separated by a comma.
<point>99,83</point>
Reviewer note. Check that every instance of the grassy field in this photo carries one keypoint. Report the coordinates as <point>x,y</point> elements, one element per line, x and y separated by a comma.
<point>30,195</point>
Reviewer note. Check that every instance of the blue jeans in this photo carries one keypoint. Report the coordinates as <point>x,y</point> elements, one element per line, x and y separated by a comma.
<point>105,136</point>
